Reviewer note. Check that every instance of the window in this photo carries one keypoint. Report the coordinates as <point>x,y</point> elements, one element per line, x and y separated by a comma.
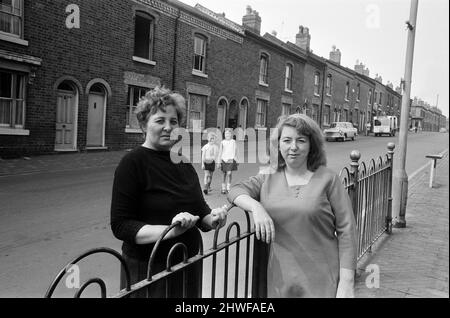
<point>197,107</point>
<point>358,91</point>
<point>285,109</point>
<point>370,97</point>
<point>328,88</point>
<point>375,97</point>
<point>315,113</point>
<point>316,83</point>
<point>11,17</point>
<point>345,115</point>
<point>143,36</point>
<point>261,109</point>
<point>288,79</point>
<point>12,100</point>
<point>199,54</point>
<point>134,95</point>
<point>326,115</point>
<point>381,98</point>
<point>263,69</point>
<point>347,90</point>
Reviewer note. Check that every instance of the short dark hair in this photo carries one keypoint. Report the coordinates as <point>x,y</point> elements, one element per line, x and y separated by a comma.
<point>158,99</point>
<point>305,126</point>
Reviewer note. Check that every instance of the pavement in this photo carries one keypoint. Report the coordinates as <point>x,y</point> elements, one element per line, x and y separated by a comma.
<point>411,262</point>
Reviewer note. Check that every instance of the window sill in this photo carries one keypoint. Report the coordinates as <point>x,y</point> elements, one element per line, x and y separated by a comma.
<point>288,91</point>
<point>200,74</point>
<point>13,39</point>
<point>261,128</point>
<point>142,60</point>
<point>317,95</point>
<point>329,95</point>
<point>263,84</point>
<point>133,131</point>
<point>14,131</point>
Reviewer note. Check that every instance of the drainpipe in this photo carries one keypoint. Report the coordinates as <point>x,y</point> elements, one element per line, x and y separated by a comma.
<point>322,101</point>
<point>175,47</point>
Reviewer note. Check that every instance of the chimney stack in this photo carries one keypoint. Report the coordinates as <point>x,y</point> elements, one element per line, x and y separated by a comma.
<point>303,38</point>
<point>378,78</point>
<point>359,67</point>
<point>252,20</point>
<point>335,55</point>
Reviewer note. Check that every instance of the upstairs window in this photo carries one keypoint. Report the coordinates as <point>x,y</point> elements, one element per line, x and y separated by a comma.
<point>370,97</point>
<point>199,54</point>
<point>263,69</point>
<point>288,79</point>
<point>347,90</point>
<point>144,36</point>
<point>381,98</point>
<point>316,83</point>
<point>11,17</point>
<point>328,84</point>
<point>12,99</point>
<point>358,91</point>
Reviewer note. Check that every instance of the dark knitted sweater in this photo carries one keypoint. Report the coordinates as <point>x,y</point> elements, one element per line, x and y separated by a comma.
<point>150,189</point>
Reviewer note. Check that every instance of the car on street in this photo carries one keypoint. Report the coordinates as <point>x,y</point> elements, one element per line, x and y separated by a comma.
<point>341,130</point>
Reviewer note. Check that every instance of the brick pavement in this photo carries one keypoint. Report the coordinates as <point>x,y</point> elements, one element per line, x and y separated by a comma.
<point>414,261</point>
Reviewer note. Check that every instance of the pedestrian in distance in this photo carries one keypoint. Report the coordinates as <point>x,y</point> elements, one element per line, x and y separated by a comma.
<point>151,192</point>
<point>368,128</point>
<point>210,155</point>
<point>228,159</point>
<point>301,209</point>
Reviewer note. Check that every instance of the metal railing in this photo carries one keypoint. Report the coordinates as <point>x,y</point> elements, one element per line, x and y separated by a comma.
<point>370,191</point>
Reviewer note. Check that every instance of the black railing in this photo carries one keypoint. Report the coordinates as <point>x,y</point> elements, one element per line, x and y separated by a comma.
<point>370,191</point>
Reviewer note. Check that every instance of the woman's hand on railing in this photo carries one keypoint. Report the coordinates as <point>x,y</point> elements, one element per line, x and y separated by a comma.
<point>264,227</point>
<point>186,221</point>
<point>219,217</point>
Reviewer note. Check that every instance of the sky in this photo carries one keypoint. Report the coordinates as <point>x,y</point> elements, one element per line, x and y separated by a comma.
<point>371,31</point>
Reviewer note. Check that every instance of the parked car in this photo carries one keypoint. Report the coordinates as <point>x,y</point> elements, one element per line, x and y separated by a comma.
<point>340,131</point>
<point>385,125</point>
<point>443,130</point>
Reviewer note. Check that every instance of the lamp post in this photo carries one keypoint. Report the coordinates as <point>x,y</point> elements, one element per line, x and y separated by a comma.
<point>400,178</point>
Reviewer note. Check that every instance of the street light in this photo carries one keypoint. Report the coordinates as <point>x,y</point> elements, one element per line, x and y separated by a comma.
<point>400,178</point>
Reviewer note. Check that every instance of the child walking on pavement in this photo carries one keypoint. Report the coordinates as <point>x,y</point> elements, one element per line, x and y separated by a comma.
<point>210,155</point>
<point>228,159</point>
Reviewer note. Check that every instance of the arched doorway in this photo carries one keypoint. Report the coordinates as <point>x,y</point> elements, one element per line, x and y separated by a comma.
<point>222,106</point>
<point>95,135</point>
<point>233,115</point>
<point>66,116</point>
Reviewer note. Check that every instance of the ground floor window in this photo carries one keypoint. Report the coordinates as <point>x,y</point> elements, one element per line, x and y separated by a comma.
<point>285,109</point>
<point>135,93</point>
<point>315,113</point>
<point>197,111</point>
<point>12,99</point>
<point>261,111</point>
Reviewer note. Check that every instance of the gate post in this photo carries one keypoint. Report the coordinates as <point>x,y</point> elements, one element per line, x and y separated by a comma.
<point>355,155</point>
<point>390,155</point>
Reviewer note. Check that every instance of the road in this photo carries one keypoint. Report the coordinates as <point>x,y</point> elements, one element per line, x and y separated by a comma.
<point>49,218</point>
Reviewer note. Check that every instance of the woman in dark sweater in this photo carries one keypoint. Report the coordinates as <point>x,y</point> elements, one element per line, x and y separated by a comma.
<point>151,191</point>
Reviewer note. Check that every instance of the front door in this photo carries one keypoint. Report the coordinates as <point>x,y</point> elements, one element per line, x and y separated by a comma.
<point>65,121</point>
<point>95,120</point>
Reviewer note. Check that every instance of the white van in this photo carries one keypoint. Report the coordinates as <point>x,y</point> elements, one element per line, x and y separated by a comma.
<point>385,125</point>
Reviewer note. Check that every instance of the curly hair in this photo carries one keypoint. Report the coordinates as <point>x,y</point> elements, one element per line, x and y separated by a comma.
<point>305,126</point>
<point>158,99</point>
